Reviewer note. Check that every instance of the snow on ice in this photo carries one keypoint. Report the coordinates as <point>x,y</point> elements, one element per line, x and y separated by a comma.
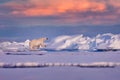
<point>101,41</point>
<point>80,42</point>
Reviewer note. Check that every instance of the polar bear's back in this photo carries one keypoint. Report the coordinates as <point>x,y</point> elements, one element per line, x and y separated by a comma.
<point>35,42</point>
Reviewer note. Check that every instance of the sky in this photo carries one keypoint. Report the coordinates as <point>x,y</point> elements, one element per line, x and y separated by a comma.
<point>22,19</point>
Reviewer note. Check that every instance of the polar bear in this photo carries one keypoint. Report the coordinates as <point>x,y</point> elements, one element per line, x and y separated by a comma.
<point>37,43</point>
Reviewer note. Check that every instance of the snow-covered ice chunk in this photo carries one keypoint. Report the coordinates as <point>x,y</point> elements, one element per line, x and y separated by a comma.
<point>106,41</point>
<point>101,41</point>
<point>14,46</point>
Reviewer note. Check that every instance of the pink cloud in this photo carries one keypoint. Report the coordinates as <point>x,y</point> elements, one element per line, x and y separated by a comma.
<point>93,11</point>
<point>53,7</point>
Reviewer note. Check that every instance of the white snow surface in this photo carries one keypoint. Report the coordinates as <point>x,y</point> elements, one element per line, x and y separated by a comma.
<point>14,46</point>
<point>59,66</point>
<point>101,41</point>
<point>80,42</point>
<point>73,59</point>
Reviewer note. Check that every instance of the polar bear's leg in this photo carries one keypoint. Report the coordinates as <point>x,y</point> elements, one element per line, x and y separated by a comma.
<point>43,45</point>
<point>31,45</point>
<point>34,47</point>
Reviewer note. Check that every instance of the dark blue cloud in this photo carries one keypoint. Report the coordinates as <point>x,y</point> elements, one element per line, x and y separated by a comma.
<point>3,1</point>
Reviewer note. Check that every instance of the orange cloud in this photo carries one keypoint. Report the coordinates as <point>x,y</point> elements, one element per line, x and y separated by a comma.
<point>54,7</point>
<point>66,11</point>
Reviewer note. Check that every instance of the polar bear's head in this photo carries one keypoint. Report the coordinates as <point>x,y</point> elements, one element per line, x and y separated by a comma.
<point>43,39</point>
